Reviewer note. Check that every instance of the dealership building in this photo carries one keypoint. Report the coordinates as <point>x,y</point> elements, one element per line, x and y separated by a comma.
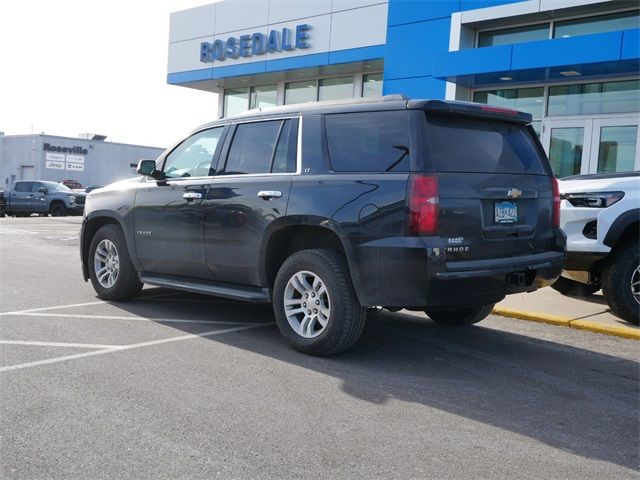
<point>573,64</point>
<point>88,159</point>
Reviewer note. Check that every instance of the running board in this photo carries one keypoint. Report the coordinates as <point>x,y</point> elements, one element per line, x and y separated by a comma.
<point>226,290</point>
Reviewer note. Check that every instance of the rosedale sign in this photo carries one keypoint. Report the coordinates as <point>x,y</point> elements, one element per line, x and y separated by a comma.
<point>283,40</point>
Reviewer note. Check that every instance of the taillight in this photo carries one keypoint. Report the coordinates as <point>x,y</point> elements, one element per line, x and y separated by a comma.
<point>423,205</point>
<point>555,216</point>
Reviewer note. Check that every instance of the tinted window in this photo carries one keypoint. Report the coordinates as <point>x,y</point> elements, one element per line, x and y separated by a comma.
<point>459,144</point>
<point>23,187</point>
<point>193,157</point>
<point>368,142</point>
<point>507,36</point>
<point>252,148</point>
<point>284,160</point>
<point>597,24</point>
<point>35,186</point>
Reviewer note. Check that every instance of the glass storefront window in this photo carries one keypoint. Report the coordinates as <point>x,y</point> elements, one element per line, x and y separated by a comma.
<point>528,100</point>
<point>505,36</point>
<point>372,85</point>
<point>565,151</point>
<point>336,88</point>
<point>236,101</point>
<point>264,96</point>
<point>300,92</point>
<point>617,149</point>
<point>594,98</point>
<point>597,24</point>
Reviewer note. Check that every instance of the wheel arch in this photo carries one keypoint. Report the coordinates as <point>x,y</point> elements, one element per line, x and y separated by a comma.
<point>624,227</point>
<point>287,238</point>
<point>89,228</point>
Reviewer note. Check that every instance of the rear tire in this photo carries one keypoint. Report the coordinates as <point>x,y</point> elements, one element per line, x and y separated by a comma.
<point>315,305</point>
<point>58,209</point>
<point>112,273</point>
<point>460,317</point>
<point>569,287</point>
<point>619,282</point>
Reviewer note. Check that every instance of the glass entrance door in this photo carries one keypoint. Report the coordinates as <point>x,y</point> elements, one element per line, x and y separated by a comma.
<point>567,145</point>
<point>615,145</point>
<point>593,145</point>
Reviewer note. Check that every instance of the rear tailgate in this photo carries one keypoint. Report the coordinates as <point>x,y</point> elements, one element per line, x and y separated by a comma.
<point>494,182</point>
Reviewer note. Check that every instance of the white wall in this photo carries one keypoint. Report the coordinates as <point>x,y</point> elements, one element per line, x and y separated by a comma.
<point>335,25</point>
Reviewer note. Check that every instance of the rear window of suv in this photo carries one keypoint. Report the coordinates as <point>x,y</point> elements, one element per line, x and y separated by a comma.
<point>368,141</point>
<point>464,144</point>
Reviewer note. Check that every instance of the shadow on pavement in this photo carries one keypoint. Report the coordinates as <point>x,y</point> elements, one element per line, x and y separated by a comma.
<point>570,398</point>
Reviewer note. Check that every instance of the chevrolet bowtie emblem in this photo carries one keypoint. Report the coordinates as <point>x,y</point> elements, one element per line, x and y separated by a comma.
<point>514,193</point>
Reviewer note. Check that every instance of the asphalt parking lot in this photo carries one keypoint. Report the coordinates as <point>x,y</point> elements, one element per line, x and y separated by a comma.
<point>174,385</point>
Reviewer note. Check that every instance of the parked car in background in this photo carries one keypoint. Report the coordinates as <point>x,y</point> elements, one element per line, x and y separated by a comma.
<point>3,204</point>
<point>600,214</point>
<point>72,184</point>
<point>327,209</point>
<point>44,198</point>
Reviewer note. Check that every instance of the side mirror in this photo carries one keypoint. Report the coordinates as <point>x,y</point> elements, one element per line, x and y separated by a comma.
<point>43,190</point>
<point>148,169</point>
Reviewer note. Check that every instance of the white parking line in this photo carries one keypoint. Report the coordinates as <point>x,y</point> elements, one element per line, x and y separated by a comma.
<point>15,231</point>
<point>134,319</point>
<point>127,347</point>
<point>58,344</point>
<point>52,308</point>
<point>86,304</point>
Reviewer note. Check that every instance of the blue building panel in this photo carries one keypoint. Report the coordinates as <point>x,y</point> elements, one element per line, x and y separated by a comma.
<point>411,48</point>
<point>357,54</point>
<point>421,87</point>
<point>602,47</point>
<point>473,61</point>
<point>475,4</point>
<point>412,11</point>
<point>631,45</point>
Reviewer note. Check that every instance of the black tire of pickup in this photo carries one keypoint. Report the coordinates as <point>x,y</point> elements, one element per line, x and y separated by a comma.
<point>127,284</point>
<point>58,209</point>
<point>347,317</point>
<point>569,287</point>
<point>461,317</point>
<point>616,281</point>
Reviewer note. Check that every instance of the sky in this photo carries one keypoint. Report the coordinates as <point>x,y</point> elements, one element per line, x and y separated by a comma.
<point>94,66</point>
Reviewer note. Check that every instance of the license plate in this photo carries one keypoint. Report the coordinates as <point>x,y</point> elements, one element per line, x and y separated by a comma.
<point>506,212</point>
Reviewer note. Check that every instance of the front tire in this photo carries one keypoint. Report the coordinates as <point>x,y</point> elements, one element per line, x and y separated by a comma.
<point>315,305</point>
<point>460,317</point>
<point>112,273</point>
<point>621,282</point>
<point>58,209</point>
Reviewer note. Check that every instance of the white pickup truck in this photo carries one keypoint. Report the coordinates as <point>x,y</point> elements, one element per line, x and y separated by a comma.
<point>601,216</point>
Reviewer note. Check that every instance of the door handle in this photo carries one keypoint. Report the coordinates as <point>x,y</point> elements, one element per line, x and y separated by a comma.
<point>189,196</point>
<point>269,194</point>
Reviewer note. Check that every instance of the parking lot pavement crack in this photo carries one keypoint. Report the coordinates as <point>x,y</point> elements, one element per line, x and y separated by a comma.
<point>65,358</point>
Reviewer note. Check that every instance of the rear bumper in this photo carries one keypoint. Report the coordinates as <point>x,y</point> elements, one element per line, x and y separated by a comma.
<point>421,276</point>
<point>583,261</point>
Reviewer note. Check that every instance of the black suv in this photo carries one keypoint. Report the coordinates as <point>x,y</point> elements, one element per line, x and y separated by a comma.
<point>326,210</point>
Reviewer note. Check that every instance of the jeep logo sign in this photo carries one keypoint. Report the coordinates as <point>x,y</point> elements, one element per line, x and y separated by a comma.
<point>255,44</point>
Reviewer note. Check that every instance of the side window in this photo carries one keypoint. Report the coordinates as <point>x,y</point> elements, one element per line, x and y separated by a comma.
<point>23,187</point>
<point>35,186</point>
<point>193,157</point>
<point>252,148</point>
<point>284,159</point>
<point>368,141</point>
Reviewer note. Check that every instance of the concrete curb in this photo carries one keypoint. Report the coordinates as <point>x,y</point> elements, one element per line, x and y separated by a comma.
<point>618,331</point>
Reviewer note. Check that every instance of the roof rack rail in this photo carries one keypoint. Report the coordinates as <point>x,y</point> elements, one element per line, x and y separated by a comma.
<point>346,101</point>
